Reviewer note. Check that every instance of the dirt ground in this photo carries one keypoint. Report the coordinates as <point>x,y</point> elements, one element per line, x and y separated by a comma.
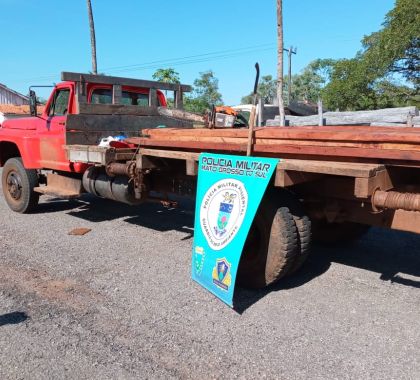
<point>119,302</point>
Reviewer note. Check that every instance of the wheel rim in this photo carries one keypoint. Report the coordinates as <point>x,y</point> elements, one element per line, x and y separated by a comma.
<point>14,185</point>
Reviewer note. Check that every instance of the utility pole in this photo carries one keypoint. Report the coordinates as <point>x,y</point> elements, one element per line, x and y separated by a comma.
<point>290,51</point>
<point>280,60</point>
<point>92,37</point>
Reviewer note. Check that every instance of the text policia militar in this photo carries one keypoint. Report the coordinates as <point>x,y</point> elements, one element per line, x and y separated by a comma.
<point>241,167</point>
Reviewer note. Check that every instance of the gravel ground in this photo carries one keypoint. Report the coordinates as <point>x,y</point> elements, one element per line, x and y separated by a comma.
<point>119,303</point>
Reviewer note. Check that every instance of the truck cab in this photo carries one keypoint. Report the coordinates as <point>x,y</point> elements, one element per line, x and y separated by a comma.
<point>82,109</point>
<point>40,138</point>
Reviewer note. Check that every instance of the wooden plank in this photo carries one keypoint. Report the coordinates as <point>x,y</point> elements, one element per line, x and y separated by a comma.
<point>278,142</point>
<point>338,133</point>
<point>276,150</point>
<point>105,79</point>
<point>88,137</point>
<point>121,123</point>
<point>117,109</point>
<point>347,169</point>
<point>339,152</point>
<point>179,155</point>
<point>187,145</point>
<point>388,115</point>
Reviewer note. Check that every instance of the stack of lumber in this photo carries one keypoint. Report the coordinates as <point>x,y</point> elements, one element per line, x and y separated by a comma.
<point>390,117</point>
<point>17,110</point>
<point>359,142</point>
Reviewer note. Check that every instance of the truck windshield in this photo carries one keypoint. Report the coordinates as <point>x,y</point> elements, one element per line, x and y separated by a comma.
<point>104,96</point>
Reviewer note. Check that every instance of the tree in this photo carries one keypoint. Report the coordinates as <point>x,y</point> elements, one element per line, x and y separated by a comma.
<point>308,84</point>
<point>396,47</point>
<point>168,75</point>
<point>280,59</point>
<point>267,91</point>
<point>387,55</point>
<point>205,95</point>
<point>92,37</point>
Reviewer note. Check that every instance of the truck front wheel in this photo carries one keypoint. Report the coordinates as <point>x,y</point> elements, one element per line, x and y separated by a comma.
<point>18,186</point>
<point>271,247</point>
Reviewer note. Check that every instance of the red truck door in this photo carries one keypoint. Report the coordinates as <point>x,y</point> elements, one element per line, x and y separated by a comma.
<point>52,130</point>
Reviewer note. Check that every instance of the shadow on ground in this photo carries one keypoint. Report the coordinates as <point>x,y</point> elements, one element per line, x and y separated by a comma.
<point>150,215</point>
<point>394,255</point>
<point>13,318</point>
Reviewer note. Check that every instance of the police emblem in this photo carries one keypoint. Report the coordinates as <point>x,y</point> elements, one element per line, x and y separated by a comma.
<point>225,211</point>
<point>221,274</point>
<point>222,212</point>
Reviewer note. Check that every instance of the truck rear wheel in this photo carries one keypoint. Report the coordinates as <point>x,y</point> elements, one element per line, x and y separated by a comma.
<point>18,186</point>
<point>270,248</point>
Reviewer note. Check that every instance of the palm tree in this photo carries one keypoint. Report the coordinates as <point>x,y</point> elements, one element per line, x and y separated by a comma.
<point>92,38</point>
<point>280,59</point>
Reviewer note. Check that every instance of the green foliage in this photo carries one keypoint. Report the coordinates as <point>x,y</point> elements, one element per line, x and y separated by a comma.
<point>393,52</point>
<point>205,95</point>
<point>267,90</point>
<point>309,83</point>
<point>168,75</point>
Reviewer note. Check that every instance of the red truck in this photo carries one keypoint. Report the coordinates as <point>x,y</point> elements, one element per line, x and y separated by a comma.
<point>335,181</point>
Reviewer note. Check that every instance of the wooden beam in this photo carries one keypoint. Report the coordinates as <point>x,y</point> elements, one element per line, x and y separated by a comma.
<point>364,187</point>
<point>179,155</point>
<point>117,109</point>
<point>192,167</point>
<point>286,178</point>
<point>122,123</point>
<point>105,79</point>
<point>347,169</point>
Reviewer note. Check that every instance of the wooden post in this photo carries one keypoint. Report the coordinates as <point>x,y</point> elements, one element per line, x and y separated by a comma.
<point>280,60</point>
<point>80,95</point>
<point>260,111</point>
<point>116,94</point>
<point>152,97</point>
<point>320,113</point>
<point>178,97</point>
<point>410,120</point>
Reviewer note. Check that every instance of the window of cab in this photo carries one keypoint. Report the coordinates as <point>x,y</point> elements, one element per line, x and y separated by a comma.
<point>129,98</point>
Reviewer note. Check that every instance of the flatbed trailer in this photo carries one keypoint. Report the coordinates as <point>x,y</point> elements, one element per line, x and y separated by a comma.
<point>331,183</point>
<point>336,193</point>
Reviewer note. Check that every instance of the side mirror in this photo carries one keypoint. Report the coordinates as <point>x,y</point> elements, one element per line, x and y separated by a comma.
<point>32,102</point>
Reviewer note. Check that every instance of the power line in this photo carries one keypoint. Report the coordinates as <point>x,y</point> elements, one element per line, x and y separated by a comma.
<point>204,57</point>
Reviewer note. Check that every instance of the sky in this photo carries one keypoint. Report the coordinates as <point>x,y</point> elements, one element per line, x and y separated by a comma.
<point>39,39</point>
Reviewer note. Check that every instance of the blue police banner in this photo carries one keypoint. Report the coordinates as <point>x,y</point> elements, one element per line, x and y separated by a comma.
<point>229,191</point>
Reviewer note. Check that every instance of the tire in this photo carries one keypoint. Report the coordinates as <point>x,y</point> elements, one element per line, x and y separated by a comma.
<point>334,233</point>
<point>270,248</point>
<point>18,186</point>
<point>303,225</point>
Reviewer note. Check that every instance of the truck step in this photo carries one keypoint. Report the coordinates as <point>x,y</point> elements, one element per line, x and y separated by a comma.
<point>61,187</point>
<point>56,192</point>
